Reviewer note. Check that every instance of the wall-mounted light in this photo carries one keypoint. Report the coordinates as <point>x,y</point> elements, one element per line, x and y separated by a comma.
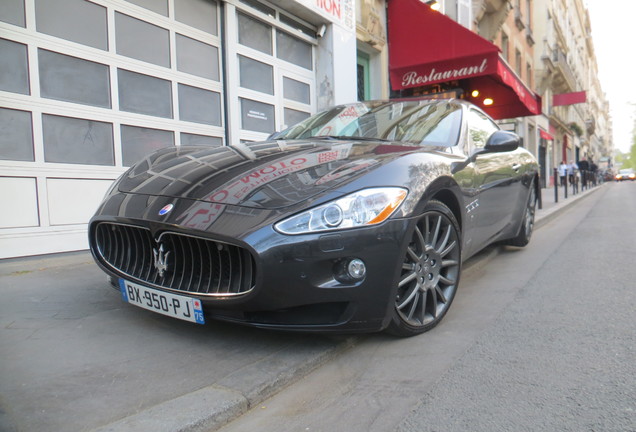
<point>488,101</point>
<point>434,4</point>
<point>321,31</point>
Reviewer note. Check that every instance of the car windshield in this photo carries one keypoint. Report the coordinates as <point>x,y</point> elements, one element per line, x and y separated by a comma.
<point>421,122</point>
<point>626,171</point>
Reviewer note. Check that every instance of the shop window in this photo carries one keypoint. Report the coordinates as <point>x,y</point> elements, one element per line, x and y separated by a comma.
<point>199,106</point>
<point>254,34</point>
<point>200,14</point>
<point>137,142</point>
<point>255,75</point>
<point>296,90</point>
<point>142,41</point>
<point>200,140</point>
<point>294,116</point>
<point>52,18</point>
<point>14,73</point>
<point>72,79</point>
<point>158,6</point>
<point>293,50</point>
<point>298,26</point>
<point>197,58</point>
<point>16,135</point>
<point>77,141</point>
<point>260,7</point>
<point>144,94</point>
<point>257,116</point>
<point>12,12</point>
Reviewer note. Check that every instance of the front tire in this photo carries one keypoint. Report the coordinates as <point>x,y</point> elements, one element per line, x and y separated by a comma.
<point>429,273</point>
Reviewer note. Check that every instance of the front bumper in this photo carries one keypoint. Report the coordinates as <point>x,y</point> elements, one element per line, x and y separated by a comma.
<point>298,283</point>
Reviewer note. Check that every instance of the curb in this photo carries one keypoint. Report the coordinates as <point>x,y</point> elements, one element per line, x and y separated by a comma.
<point>216,405</point>
<point>545,216</point>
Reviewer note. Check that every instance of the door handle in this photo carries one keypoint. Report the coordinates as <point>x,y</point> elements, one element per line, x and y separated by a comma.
<point>516,166</point>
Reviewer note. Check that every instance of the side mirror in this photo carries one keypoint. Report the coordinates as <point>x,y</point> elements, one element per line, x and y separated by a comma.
<point>502,141</point>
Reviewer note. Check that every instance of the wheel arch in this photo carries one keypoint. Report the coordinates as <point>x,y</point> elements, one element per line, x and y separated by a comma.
<point>447,191</point>
<point>448,198</point>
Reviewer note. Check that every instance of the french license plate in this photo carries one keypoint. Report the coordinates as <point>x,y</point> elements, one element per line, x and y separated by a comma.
<point>173,305</point>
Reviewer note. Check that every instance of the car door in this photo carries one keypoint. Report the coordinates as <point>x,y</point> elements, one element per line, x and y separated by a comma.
<point>495,183</point>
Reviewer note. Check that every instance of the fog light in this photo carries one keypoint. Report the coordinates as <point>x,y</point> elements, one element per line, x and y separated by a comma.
<point>349,270</point>
<point>356,269</point>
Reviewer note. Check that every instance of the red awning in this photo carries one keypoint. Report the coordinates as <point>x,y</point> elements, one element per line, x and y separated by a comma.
<point>426,47</point>
<point>545,135</point>
<point>569,98</point>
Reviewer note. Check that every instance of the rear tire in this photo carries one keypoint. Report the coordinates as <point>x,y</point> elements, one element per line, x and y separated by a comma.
<point>527,224</point>
<point>429,273</point>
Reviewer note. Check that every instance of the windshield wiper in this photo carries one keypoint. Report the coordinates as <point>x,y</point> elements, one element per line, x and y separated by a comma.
<point>347,138</point>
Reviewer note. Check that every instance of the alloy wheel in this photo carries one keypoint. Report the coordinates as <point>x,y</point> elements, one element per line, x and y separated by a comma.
<point>430,271</point>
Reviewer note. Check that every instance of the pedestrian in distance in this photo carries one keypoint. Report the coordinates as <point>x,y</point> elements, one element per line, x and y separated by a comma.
<point>563,171</point>
<point>584,168</point>
<point>572,169</point>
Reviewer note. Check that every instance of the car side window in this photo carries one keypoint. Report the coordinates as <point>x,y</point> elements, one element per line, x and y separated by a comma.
<point>480,128</point>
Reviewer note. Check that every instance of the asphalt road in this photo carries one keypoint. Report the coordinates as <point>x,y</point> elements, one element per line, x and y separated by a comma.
<point>540,339</point>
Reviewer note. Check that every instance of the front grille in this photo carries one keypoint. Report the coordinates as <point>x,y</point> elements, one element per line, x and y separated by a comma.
<point>190,264</point>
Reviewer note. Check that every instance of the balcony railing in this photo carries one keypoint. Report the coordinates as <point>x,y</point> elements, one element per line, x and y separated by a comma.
<point>560,60</point>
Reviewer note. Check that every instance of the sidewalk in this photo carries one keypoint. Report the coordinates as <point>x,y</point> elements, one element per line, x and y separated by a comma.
<point>75,359</point>
<point>551,208</point>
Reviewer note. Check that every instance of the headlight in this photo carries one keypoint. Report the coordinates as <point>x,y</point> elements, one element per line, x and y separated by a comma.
<point>362,208</point>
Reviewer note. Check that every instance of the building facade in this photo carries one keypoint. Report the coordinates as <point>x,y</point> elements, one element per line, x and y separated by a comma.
<point>549,45</point>
<point>580,128</point>
<point>89,87</point>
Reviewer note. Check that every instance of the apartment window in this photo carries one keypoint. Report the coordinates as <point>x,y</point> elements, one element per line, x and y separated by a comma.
<point>505,46</point>
<point>529,74</point>
<point>518,62</point>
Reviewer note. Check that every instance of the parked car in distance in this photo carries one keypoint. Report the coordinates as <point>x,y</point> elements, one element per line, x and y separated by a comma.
<point>357,219</point>
<point>625,174</point>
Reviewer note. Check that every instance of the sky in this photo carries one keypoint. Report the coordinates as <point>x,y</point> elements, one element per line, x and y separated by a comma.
<point>614,35</point>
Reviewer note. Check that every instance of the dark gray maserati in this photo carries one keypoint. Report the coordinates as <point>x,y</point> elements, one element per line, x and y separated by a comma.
<point>357,219</point>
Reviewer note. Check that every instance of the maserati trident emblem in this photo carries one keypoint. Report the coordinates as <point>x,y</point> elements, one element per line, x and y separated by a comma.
<point>166,209</point>
<point>161,259</point>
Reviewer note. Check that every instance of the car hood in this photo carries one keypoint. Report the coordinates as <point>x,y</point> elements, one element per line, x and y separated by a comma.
<point>261,175</point>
